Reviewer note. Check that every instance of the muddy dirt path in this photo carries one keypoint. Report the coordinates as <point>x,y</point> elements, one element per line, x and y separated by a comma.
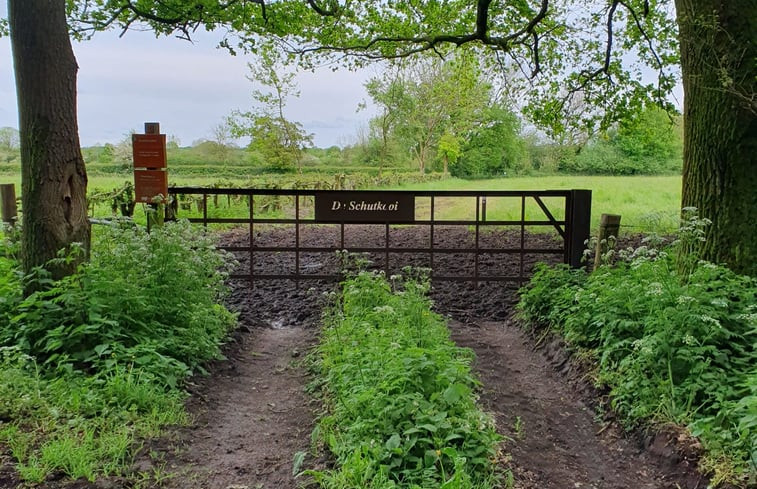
<point>251,417</point>
<point>554,437</point>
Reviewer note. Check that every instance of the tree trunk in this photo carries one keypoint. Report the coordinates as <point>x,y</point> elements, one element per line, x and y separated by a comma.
<point>53,178</point>
<point>718,52</point>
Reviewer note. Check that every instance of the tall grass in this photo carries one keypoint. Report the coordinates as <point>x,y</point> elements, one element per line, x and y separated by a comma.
<point>646,203</point>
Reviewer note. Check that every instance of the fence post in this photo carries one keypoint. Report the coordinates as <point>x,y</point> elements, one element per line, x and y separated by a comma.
<point>578,222</point>
<point>8,208</point>
<point>609,225</point>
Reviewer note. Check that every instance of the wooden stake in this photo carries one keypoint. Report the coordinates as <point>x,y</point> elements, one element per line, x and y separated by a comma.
<point>8,210</point>
<point>609,225</point>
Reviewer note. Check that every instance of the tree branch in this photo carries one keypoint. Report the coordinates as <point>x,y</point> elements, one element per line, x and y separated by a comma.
<point>333,11</point>
<point>648,39</point>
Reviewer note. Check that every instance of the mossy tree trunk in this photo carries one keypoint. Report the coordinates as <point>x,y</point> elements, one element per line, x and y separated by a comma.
<point>54,181</point>
<point>718,41</point>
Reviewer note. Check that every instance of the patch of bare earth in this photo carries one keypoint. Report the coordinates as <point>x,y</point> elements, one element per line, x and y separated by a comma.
<point>251,417</point>
<point>554,436</point>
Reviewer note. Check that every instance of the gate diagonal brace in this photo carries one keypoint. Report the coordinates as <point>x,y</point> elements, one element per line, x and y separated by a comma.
<point>549,215</point>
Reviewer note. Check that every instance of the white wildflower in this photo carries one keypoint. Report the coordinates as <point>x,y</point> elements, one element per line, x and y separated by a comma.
<point>710,320</point>
<point>719,302</point>
<point>655,288</point>
<point>389,310</point>
<point>689,340</point>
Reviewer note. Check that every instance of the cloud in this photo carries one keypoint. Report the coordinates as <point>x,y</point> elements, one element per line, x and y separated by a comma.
<point>188,87</point>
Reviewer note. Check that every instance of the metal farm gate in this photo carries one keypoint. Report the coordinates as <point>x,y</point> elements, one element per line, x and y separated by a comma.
<point>563,213</point>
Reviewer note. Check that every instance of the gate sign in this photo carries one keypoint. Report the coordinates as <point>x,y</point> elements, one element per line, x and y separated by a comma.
<point>365,207</point>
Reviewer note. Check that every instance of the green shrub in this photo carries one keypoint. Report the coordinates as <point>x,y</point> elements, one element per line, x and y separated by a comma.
<point>91,363</point>
<point>671,348</point>
<point>399,394</point>
<point>148,300</point>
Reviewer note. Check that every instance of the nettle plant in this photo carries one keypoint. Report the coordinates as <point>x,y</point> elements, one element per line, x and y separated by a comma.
<point>123,307</point>
<point>674,339</point>
<point>399,394</point>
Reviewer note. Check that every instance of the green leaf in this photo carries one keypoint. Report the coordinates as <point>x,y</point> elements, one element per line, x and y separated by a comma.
<point>455,392</point>
<point>299,459</point>
<point>393,442</point>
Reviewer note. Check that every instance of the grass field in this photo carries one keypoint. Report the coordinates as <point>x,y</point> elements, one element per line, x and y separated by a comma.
<point>646,203</point>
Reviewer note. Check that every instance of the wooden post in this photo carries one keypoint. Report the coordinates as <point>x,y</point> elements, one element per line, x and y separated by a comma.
<point>609,225</point>
<point>8,209</point>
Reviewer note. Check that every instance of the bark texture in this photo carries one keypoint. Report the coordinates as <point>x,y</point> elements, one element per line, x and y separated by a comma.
<point>719,64</point>
<point>54,181</point>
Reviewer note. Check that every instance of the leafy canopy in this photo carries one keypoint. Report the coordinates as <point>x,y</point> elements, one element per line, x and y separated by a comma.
<point>593,61</point>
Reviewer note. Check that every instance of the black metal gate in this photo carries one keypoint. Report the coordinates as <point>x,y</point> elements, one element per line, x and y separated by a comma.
<point>565,213</point>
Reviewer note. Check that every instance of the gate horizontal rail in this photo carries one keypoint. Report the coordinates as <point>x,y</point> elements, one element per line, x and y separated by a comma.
<point>572,228</point>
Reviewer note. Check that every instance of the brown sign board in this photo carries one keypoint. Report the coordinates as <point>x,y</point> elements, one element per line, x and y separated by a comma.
<point>366,207</point>
<point>148,184</point>
<point>149,150</point>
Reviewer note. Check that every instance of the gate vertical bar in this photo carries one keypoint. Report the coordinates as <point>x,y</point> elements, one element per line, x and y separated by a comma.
<point>297,240</point>
<point>522,265</point>
<point>431,232</point>
<point>386,243</point>
<point>475,256</point>
<point>205,210</point>
<point>578,224</point>
<point>252,239</point>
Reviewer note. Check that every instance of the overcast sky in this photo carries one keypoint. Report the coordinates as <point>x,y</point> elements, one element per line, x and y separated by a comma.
<point>188,88</point>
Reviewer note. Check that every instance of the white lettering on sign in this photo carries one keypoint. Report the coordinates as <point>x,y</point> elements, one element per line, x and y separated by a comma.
<point>364,207</point>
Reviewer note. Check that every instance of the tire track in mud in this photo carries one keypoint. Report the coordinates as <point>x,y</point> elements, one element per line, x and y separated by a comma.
<point>554,440</point>
<point>250,418</point>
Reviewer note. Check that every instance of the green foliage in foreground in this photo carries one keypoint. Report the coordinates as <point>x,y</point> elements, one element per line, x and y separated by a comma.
<point>670,347</point>
<point>399,395</point>
<point>94,362</point>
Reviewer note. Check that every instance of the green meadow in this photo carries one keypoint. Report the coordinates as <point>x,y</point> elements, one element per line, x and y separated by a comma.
<point>646,203</point>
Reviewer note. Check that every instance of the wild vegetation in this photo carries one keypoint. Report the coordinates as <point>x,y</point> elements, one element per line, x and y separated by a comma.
<point>672,338</point>
<point>399,395</point>
<point>92,363</point>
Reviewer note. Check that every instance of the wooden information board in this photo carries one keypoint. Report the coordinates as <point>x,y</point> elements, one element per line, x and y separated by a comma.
<point>150,183</point>
<point>150,169</point>
<point>149,150</point>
